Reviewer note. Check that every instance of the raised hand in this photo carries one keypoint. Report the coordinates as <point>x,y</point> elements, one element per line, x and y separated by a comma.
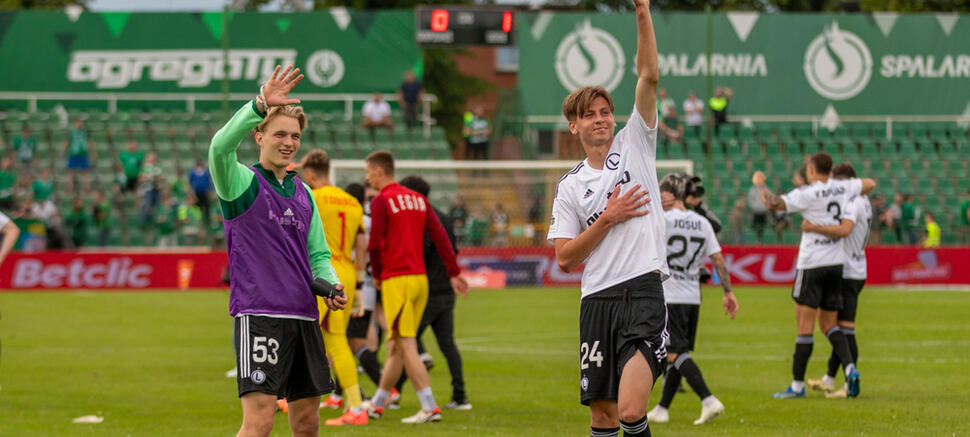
<point>641,3</point>
<point>279,85</point>
<point>620,208</point>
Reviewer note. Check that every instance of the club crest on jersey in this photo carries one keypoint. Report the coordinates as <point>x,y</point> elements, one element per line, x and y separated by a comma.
<point>258,377</point>
<point>584,383</point>
<point>613,161</point>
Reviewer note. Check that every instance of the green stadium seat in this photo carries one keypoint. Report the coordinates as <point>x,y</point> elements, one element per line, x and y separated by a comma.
<point>727,131</point>
<point>793,149</point>
<point>695,149</point>
<point>784,132</point>
<point>877,129</point>
<point>811,147</point>
<point>926,147</point>
<point>802,130</point>
<point>907,148</point>
<point>747,132</point>
<point>900,131</point>
<point>918,131</point>
<point>772,148</point>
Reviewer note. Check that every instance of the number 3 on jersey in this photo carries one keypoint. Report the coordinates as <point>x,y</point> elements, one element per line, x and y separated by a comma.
<point>590,355</point>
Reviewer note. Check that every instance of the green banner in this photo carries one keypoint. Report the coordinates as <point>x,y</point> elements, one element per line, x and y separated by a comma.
<point>779,64</point>
<point>340,51</point>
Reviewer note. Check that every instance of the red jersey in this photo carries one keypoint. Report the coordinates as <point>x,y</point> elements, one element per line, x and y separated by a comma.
<point>399,218</point>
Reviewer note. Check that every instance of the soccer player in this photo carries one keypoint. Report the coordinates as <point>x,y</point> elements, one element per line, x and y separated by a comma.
<point>855,237</point>
<point>440,311</point>
<point>602,216</point>
<point>342,218</point>
<point>276,248</point>
<point>399,219</point>
<point>689,235</point>
<point>818,285</point>
<point>10,233</point>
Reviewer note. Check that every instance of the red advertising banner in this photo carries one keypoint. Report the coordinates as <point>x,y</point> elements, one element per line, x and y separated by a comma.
<point>763,265</point>
<point>112,270</point>
<point>487,266</point>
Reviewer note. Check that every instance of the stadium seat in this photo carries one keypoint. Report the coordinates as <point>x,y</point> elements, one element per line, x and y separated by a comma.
<point>802,131</point>
<point>907,148</point>
<point>900,131</point>
<point>877,129</point>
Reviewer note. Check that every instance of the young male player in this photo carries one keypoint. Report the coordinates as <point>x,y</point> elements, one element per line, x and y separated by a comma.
<point>399,219</point>
<point>439,314</point>
<point>342,218</point>
<point>855,237</point>
<point>689,235</point>
<point>276,250</point>
<point>818,285</point>
<point>603,217</point>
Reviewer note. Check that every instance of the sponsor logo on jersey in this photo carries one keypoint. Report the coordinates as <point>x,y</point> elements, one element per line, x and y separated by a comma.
<point>588,193</point>
<point>288,212</point>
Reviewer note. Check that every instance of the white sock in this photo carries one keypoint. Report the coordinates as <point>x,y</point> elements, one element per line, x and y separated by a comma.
<point>828,380</point>
<point>708,401</point>
<point>356,410</point>
<point>380,398</point>
<point>797,385</point>
<point>849,369</point>
<point>427,399</point>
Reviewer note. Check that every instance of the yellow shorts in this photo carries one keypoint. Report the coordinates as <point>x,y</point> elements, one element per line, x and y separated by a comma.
<point>335,322</point>
<point>404,299</point>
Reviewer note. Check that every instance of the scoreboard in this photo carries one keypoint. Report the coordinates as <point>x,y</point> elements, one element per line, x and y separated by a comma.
<point>462,26</point>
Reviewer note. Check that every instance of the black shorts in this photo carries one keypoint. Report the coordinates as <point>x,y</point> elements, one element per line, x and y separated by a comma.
<point>282,357</point>
<point>682,324</point>
<point>820,287</point>
<point>613,325</point>
<point>357,328</point>
<point>850,298</point>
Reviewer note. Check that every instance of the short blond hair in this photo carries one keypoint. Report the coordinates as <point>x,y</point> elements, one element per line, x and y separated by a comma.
<point>317,161</point>
<point>288,111</point>
<point>580,100</point>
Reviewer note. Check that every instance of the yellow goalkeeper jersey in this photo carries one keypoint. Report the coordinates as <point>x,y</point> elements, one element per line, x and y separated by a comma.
<point>343,219</point>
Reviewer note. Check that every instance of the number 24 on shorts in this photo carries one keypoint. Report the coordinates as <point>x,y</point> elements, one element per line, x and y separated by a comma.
<point>590,355</point>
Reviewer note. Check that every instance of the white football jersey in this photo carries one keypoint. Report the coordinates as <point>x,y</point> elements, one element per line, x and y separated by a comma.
<point>822,204</point>
<point>690,237</point>
<point>859,210</point>
<point>634,247</point>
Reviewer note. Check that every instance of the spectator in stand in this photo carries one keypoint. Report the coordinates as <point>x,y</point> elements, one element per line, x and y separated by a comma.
<point>377,113</point>
<point>25,146</point>
<point>78,156</point>
<point>409,96</point>
<point>11,233</point>
<point>895,217</point>
<point>670,126</point>
<point>694,113</point>
<point>118,201</point>
<point>909,220</point>
<point>759,214</point>
<point>719,105</point>
<point>76,221</point>
<point>477,227</point>
<point>664,102</point>
<point>964,219</point>
<point>8,181</point>
<point>131,161</point>
<point>932,237</point>
<point>736,221</point>
<point>459,217</point>
<point>500,226</point>
<point>43,187</point>
<point>477,130</point>
<point>178,187</point>
<point>101,211</point>
<point>166,222</point>
<point>149,190</point>
<point>190,222</point>
<point>880,219</point>
<point>201,182</point>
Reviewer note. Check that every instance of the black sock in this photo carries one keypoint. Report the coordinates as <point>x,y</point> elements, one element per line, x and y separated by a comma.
<point>840,346</point>
<point>834,363</point>
<point>692,374</point>
<point>853,347</point>
<point>604,432</point>
<point>671,381</point>
<point>638,428</point>
<point>803,351</point>
<point>368,360</point>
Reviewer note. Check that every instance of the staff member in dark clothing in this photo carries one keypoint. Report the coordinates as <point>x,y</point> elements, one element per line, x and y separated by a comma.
<point>440,311</point>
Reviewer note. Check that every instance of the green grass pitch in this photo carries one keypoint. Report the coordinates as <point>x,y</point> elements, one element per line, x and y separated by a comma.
<point>153,364</point>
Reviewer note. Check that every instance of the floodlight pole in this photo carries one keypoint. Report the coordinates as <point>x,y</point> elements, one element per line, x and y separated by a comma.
<point>225,62</point>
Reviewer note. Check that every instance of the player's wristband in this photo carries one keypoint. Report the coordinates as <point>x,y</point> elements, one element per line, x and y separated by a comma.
<point>323,288</point>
